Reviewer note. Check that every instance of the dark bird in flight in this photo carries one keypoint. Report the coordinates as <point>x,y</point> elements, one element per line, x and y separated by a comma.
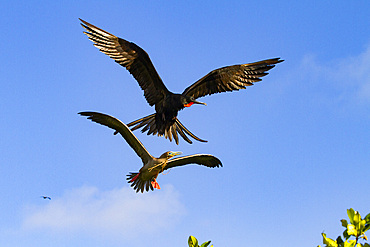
<point>145,179</point>
<point>164,121</point>
<point>46,197</point>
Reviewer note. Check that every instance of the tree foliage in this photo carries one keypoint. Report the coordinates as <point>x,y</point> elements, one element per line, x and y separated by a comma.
<point>354,232</point>
<point>193,242</point>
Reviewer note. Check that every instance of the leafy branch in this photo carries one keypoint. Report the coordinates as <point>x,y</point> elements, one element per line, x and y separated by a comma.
<point>193,242</point>
<point>355,229</point>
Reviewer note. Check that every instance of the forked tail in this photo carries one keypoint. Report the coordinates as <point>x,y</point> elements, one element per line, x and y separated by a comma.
<point>148,123</point>
<point>137,183</point>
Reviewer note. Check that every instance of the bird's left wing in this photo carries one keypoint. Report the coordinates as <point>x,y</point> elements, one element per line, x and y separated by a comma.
<point>122,128</point>
<point>230,78</point>
<point>132,57</point>
<point>200,159</point>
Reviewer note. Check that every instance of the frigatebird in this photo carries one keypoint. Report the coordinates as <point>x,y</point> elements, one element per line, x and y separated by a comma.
<point>145,179</point>
<point>164,121</point>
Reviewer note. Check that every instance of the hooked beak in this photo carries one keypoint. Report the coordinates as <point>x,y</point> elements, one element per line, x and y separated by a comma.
<point>194,102</point>
<point>198,102</point>
<point>175,154</point>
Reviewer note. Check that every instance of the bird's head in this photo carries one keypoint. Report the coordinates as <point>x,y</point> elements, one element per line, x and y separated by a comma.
<point>188,101</point>
<point>170,154</point>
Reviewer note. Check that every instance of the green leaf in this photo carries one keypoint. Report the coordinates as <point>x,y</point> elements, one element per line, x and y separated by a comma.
<point>328,241</point>
<point>339,240</point>
<point>366,245</point>
<point>367,217</point>
<point>357,219</point>
<point>367,227</point>
<point>351,243</point>
<point>361,226</point>
<point>205,244</point>
<point>344,222</point>
<point>192,241</point>
<point>351,230</point>
<point>351,214</point>
<point>345,234</point>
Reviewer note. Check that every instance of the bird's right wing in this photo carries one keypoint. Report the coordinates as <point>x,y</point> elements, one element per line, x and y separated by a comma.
<point>230,78</point>
<point>121,128</point>
<point>200,159</point>
<point>132,57</point>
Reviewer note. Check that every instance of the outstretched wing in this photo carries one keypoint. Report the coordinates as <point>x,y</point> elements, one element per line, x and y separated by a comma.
<point>230,78</point>
<point>200,159</point>
<point>122,128</point>
<point>132,57</point>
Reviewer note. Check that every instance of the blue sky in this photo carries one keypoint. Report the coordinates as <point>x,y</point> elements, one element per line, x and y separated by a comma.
<point>295,147</point>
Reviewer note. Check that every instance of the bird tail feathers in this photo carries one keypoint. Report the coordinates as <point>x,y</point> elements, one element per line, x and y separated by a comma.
<point>137,183</point>
<point>148,123</point>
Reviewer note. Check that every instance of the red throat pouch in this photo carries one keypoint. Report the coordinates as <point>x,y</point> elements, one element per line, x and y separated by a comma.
<point>189,104</point>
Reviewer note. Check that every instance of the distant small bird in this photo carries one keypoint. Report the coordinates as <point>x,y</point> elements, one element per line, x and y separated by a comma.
<point>145,179</point>
<point>164,121</point>
<point>46,197</point>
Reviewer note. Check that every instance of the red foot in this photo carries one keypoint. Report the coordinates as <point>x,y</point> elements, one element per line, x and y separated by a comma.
<point>155,185</point>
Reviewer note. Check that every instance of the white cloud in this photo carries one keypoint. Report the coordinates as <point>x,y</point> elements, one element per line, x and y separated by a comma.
<point>116,212</point>
<point>351,75</point>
